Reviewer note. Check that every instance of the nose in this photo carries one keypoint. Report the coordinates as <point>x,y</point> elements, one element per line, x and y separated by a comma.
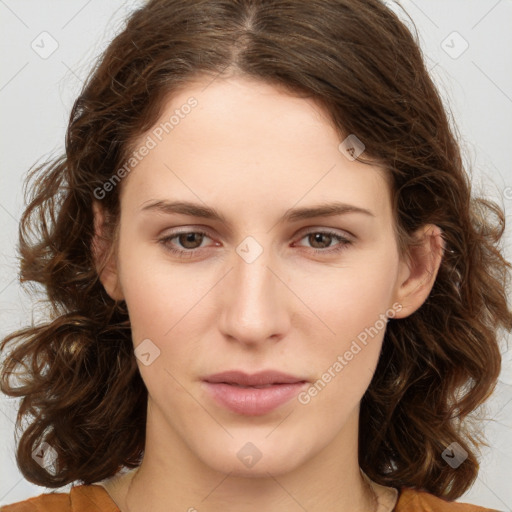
<point>255,301</point>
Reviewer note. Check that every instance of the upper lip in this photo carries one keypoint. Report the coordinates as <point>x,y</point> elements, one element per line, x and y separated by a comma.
<point>261,378</point>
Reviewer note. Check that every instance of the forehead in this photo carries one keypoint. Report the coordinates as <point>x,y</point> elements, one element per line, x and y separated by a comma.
<point>245,143</point>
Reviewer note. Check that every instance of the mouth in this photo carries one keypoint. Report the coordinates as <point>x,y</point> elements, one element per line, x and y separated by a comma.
<point>253,387</point>
<point>252,395</point>
<point>257,380</point>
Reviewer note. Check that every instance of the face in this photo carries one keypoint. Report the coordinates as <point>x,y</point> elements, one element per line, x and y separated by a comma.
<point>270,283</point>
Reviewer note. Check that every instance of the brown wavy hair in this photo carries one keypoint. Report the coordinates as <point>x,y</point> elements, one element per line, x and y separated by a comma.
<point>77,375</point>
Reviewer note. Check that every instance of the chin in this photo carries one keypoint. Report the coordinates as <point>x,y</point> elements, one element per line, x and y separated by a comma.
<point>275,467</point>
<point>255,456</point>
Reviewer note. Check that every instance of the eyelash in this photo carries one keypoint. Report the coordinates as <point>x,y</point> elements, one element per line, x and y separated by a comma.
<point>344,242</point>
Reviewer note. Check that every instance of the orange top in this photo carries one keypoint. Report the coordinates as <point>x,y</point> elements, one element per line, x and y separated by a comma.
<point>95,498</point>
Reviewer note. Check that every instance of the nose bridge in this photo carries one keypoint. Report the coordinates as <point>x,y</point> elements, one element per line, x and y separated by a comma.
<point>255,303</point>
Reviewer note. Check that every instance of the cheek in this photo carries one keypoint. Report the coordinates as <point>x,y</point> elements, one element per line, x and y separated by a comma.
<point>168,304</point>
<point>352,302</point>
<point>157,292</point>
<point>152,302</point>
<point>352,297</point>
<point>160,301</point>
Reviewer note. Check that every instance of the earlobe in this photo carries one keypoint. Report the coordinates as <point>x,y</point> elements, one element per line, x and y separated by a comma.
<point>104,256</point>
<point>418,273</point>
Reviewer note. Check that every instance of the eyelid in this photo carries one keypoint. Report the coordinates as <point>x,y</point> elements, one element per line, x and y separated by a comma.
<point>323,229</point>
<point>344,239</point>
<point>300,234</point>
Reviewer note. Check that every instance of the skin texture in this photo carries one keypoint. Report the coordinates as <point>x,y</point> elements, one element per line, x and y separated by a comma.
<point>252,152</point>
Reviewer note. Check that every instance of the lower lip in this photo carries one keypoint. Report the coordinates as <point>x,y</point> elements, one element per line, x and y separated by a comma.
<point>252,401</point>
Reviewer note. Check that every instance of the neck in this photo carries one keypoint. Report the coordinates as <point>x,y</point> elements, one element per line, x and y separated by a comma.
<point>171,477</point>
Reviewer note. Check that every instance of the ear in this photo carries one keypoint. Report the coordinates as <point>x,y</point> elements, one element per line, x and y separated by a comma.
<point>104,255</point>
<point>419,270</point>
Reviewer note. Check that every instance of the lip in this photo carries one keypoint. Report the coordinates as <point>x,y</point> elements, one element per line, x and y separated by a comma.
<point>237,391</point>
<point>260,378</point>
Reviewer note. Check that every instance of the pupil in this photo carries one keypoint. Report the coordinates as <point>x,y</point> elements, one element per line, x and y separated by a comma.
<point>188,238</point>
<point>318,236</point>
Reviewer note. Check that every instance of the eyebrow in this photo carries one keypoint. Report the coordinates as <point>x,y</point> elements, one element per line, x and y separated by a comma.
<point>292,215</point>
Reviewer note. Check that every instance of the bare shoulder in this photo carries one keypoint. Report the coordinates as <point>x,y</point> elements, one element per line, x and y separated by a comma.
<point>411,500</point>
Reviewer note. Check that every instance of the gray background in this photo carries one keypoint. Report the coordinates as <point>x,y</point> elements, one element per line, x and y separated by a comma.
<point>37,89</point>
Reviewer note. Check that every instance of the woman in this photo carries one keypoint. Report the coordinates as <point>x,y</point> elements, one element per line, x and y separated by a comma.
<point>271,286</point>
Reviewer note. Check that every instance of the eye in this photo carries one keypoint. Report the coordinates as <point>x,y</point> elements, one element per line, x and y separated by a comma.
<point>190,241</point>
<point>321,241</point>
